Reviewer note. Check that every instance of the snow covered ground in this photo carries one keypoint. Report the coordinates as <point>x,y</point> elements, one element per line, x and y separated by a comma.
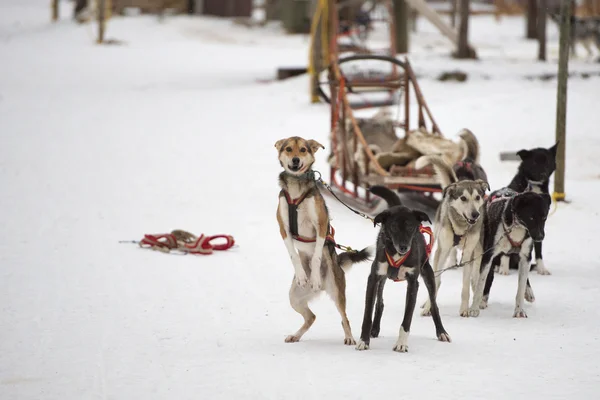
<point>172,130</point>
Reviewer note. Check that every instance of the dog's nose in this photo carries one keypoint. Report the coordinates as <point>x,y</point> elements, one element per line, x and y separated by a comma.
<point>295,160</point>
<point>475,215</point>
<point>402,249</point>
<point>539,237</point>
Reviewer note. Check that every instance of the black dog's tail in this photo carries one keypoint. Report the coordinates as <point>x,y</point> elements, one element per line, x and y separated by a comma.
<point>388,195</point>
<point>348,258</point>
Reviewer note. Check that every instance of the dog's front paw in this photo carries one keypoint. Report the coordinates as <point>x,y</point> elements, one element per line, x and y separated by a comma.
<point>541,268</point>
<point>301,279</point>
<point>361,345</point>
<point>464,311</point>
<point>519,313</point>
<point>503,270</point>
<point>316,283</point>
<point>444,337</point>
<point>529,296</point>
<point>401,348</point>
<point>474,312</point>
<point>349,341</point>
<point>292,339</point>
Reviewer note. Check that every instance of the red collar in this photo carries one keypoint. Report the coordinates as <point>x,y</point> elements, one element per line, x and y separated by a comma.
<point>428,246</point>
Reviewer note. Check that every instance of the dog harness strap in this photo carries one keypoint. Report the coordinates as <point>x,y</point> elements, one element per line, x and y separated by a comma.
<point>329,238</point>
<point>293,210</point>
<point>166,240</point>
<point>396,264</point>
<point>429,232</point>
<point>465,164</point>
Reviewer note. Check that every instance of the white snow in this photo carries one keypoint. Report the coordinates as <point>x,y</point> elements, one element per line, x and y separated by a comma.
<point>173,130</point>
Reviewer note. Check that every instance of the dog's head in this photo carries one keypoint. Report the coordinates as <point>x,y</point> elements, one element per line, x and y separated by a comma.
<point>467,198</point>
<point>531,210</point>
<point>539,163</point>
<point>400,225</point>
<point>296,155</point>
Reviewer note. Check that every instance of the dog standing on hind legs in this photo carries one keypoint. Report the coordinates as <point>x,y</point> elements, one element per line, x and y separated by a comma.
<point>401,254</point>
<point>309,238</point>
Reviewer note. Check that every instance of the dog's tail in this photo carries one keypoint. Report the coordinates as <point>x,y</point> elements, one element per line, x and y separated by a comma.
<point>388,195</point>
<point>470,145</point>
<point>444,172</point>
<point>349,258</point>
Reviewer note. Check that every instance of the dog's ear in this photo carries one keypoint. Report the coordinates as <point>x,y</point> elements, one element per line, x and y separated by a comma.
<point>279,144</point>
<point>314,145</point>
<point>421,216</point>
<point>483,184</point>
<point>447,189</point>
<point>381,217</point>
<point>524,154</point>
<point>547,199</point>
<point>554,148</point>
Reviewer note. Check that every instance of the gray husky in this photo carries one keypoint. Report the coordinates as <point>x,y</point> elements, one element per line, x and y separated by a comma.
<point>459,225</point>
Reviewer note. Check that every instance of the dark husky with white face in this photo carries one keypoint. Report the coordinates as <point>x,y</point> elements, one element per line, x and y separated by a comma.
<point>401,254</point>
<point>512,223</point>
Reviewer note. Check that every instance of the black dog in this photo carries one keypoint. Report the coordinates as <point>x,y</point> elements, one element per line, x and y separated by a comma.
<point>512,223</point>
<point>402,254</point>
<point>537,165</point>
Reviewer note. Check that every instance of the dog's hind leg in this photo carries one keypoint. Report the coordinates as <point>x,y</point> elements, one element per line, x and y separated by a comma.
<point>485,270</point>
<point>365,334</point>
<point>523,278</point>
<point>489,280</point>
<point>378,308</point>
<point>429,279</point>
<point>337,291</point>
<point>539,262</point>
<point>529,296</point>
<point>299,298</point>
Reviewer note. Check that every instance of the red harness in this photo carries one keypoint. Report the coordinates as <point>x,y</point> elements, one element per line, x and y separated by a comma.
<point>428,247</point>
<point>293,220</point>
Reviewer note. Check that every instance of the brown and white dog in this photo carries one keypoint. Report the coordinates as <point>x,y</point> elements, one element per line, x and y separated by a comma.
<point>304,226</point>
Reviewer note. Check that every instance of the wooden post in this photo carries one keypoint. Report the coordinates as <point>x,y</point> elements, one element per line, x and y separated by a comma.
<point>101,19</point>
<point>54,10</point>
<point>561,100</point>
<point>401,23</point>
<point>541,21</point>
<point>464,51</point>
<point>531,19</point>
<point>454,4</point>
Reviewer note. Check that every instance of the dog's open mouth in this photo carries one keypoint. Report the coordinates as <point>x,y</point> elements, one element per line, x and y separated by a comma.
<point>295,168</point>
<point>471,221</point>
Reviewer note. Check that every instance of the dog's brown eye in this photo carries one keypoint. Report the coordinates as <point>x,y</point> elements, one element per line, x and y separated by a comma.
<point>477,198</point>
<point>288,149</point>
<point>303,150</point>
<point>463,198</point>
